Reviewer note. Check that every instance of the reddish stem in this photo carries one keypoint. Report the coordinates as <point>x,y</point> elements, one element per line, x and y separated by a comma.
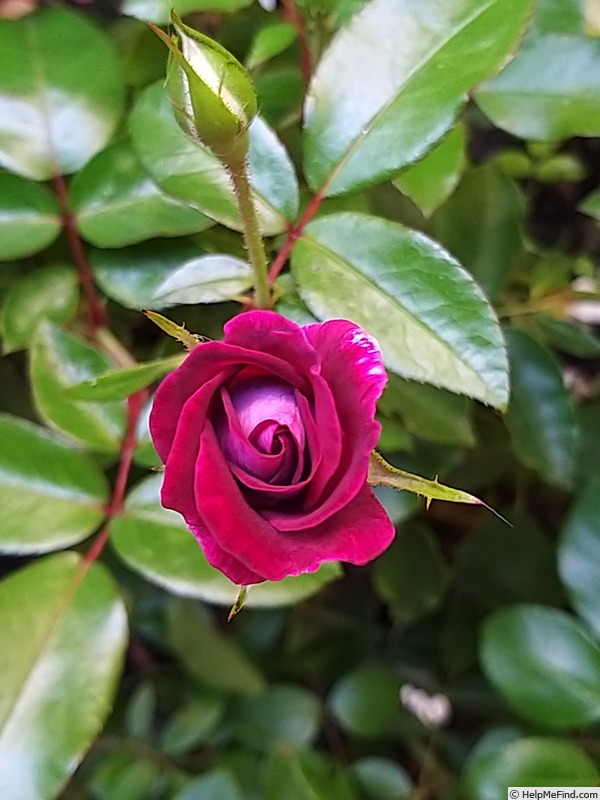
<point>96,314</point>
<point>292,14</point>
<point>135,404</point>
<point>294,232</point>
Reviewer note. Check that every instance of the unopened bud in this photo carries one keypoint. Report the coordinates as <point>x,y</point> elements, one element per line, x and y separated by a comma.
<point>211,92</point>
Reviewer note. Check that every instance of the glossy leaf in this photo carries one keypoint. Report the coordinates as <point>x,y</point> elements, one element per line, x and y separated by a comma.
<point>51,496</point>
<point>116,203</point>
<point>29,217</point>
<point>47,293</point>
<point>497,564</point>
<point>283,714</point>
<point>61,93</point>
<point>430,319</point>
<point>541,414</point>
<point>132,275</point>
<point>191,172</point>
<point>270,41</point>
<point>568,337</point>
<point>534,761</point>
<point>559,16</point>
<point>411,576</point>
<point>192,724</point>
<point>365,701</point>
<point>591,205</point>
<point>391,83</point>
<point>159,11</point>
<point>481,225</point>
<point>432,180</point>
<point>432,414</point>
<point>382,778</point>
<point>545,665</point>
<point>59,360</point>
<point>63,636</point>
<point>305,775</point>
<point>208,279</point>
<point>208,654</point>
<point>578,554</point>
<point>548,93</point>
<point>118,384</point>
<point>213,785</point>
<point>156,543</point>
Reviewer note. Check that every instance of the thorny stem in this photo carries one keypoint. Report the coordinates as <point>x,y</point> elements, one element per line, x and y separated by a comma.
<point>252,236</point>
<point>96,314</point>
<point>293,15</point>
<point>294,232</point>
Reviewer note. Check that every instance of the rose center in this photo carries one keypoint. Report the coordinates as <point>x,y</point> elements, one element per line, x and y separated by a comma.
<point>263,432</point>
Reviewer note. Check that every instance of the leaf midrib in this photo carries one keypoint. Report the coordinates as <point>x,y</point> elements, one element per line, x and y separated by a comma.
<point>344,263</point>
<point>347,154</point>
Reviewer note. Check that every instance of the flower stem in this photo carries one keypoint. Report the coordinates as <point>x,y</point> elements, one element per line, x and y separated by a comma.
<point>252,238</point>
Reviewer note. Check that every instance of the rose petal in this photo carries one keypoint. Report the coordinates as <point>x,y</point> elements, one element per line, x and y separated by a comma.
<point>271,333</point>
<point>201,366</point>
<point>263,399</point>
<point>223,561</point>
<point>358,533</point>
<point>352,368</point>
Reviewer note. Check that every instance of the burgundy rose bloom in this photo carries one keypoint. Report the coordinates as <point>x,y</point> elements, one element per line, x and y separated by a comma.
<point>266,439</point>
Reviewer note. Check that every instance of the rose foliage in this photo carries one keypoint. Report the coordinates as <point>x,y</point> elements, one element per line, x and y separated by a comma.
<point>266,439</point>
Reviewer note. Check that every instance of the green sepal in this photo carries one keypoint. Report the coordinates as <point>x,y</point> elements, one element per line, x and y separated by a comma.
<point>383,474</point>
<point>187,339</point>
<point>211,92</point>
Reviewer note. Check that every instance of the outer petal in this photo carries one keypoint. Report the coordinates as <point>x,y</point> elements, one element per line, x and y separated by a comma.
<point>223,561</point>
<point>271,333</point>
<point>358,533</point>
<point>352,367</point>
<point>201,366</point>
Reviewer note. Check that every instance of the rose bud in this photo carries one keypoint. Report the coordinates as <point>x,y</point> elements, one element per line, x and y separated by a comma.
<point>266,439</point>
<point>211,92</point>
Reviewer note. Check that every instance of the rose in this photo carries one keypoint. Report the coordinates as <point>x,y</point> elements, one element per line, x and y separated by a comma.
<point>266,439</point>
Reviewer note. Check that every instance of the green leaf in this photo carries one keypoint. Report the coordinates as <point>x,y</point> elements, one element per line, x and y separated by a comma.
<point>496,565</point>
<point>568,337</point>
<point>29,217</point>
<point>432,180</point>
<point>541,414</point>
<point>156,543</point>
<point>159,11</point>
<point>305,775</point>
<point>191,172</point>
<point>270,41</point>
<point>61,93</point>
<point>579,551</point>
<point>534,761</point>
<point>51,496</point>
<point>117,203</point>
<point>544,664</point>
<point>131,276</point>
<point>431,320</point>
<point>208,279</point>
<point>47,293</point>
<point>57,361</point>
<point>118,384</point>
<point>549,92</point>
<point>411,576</point>
<point>365,701</point>
<point>382,779</point>
<point>63,632</point>
<point>208,654</point>
<point>591,205</point>
<point>391,84</point>
<point>282,714</point>
<point>192,724</point>
<point>430,413</point>
<point>559,16</point>
<point>481,225</point>
<point>213,785</point>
